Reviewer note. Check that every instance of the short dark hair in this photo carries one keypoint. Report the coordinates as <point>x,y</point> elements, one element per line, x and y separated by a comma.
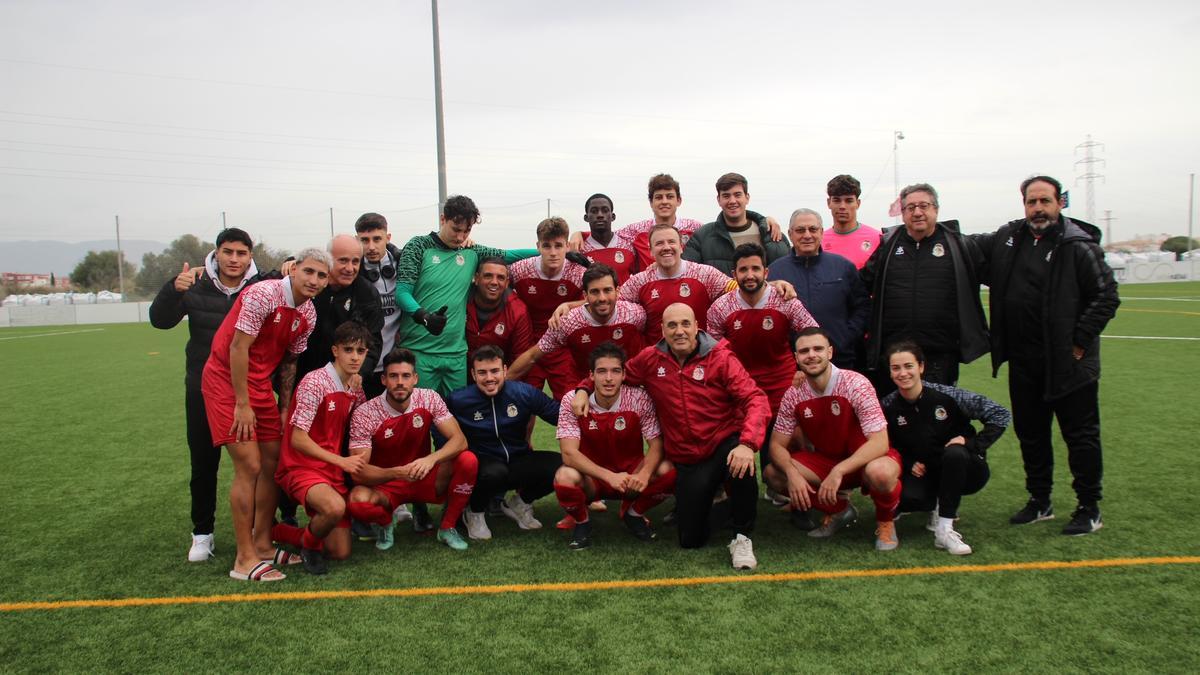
<point>351,332</point>
<point>491,260</point>
<point>905,346</point>
<point>234,234</point>
<point>587,204</point>
<point>598,271</point>
<point>553,228</point>
<point>919,187</point>
<point>1042,179</point>
<point>810,331</point>
<point>729,180</point>
<point>843,185</point>
<point>369,222</point>
<point>460,208</point>
<point>400,355</point>
<point>608,349</point>
<point>749,250</point>
<point>663,181</point>
<point>486,353</point>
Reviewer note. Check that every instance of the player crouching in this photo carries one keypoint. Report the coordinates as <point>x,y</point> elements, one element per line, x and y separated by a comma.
<point>311,466</point>
<point>391,432</point>
<point>602,451</point>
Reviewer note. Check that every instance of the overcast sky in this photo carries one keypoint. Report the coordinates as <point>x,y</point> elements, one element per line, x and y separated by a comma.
<point>274,112</point>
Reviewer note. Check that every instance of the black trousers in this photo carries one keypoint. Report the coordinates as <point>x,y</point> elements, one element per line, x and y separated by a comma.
<point>695,486</point>
<point>206,460</point>
<point>531,475</point>
<point>1078,416</point>
<point>948,476</point>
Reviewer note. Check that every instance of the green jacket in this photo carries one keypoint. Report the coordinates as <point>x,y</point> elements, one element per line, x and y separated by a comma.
<point>712,244</point>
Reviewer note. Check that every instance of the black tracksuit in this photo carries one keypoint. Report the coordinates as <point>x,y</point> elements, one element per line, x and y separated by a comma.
<point>919,430</point>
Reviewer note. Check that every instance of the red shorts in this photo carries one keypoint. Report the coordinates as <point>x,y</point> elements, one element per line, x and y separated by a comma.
<point>822,464</point>
<point>219,403</point>
<point>558,368</point>
<point>423,491</point>
<point>297,482</point>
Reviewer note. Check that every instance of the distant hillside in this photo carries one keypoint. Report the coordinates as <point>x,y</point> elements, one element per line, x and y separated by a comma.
<point>60,257</point>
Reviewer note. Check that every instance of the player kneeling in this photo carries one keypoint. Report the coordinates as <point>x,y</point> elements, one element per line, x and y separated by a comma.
<point>311,466</point>
<point>391,432</point>
<point>602,451</point>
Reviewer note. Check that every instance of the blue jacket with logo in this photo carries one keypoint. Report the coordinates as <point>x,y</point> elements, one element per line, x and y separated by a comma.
<point>495,426</point>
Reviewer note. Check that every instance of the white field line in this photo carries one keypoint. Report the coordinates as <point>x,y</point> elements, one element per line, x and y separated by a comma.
<point>1147,337</point>
<point>1128,297</point>
<point>66,332</point>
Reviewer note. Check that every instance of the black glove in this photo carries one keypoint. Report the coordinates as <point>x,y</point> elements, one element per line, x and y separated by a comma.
<point>435,323</point>
<point>579,259</point>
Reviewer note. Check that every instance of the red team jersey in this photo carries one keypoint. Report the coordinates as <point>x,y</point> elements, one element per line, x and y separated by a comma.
<point>542,296</point>
<point>508,328</point>
<point>612,437</point>
<point>321,407</point>
<point>836,421</point>
<point>620,254</point>
<point>695,284</point>
<point>397,438</point>
<point>580,333</point>
<point>267,310</point>
<point>639,234</point>
<point>760,336</point>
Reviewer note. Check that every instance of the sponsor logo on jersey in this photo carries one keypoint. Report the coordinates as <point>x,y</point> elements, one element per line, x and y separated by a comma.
<point>737,324</point>
<point>388,433</point>
<point>939,250</point>
<point>460,260</point>
<point>899,250</point>
<point>592,426</point>
<point>418,421</point>
<point>698,373</point>
<point>835,408</point>
<point>477,416</point>
<point>619,257</point>
<point>500,328</point>
<point>939,413</point>
<point>531,289</point>
<point>900,421</point>
<point>1048,253</point>
<point>618,334</point>
<point>436,259</point>
<point>768,324</point>
<point>684,290</point>
<point>278,316</point>
<point>296,324</point>
<point>332,407</point>
<point>619,424</point>
<point>1009,243</point>
<point>346,306</point>
<point>662,372</point>
<point>654,294</point>
<point>511,410</point>
<point>562,289</point>
<point>586,338</point>
<point>808,412</point>
<point>463,489</point>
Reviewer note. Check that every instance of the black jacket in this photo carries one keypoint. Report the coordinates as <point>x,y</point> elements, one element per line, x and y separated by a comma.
<point>921,429</point>
<point>358,302</point>
<point>1082,298</point>
<point>967,258</point>
<point>205,307</point>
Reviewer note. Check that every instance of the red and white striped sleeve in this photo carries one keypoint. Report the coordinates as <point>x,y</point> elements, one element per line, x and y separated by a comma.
<point>309,395</point>
<point>631,313</point>
<point>364,422</point>
<point>258,301</point>
<point>523,269</point>
<point>431,401</point>
<point>785,421</point>
<point>640,403</point>
<point>568,426</point>
<point>556,338</point>
<point>714,280</point>
<point>797,313</point>
<point>858,390</point>
<point>573,272</point>
<point>300,342</point>
<point>718,312</point>
<point>632,288</point>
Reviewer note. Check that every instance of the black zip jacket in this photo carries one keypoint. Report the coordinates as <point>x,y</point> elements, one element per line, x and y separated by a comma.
<point>920,430</point>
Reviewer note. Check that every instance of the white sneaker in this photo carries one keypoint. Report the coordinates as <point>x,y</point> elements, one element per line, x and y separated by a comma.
<point>951,541</point>
<point>477,527</point>
<point>401,514</point>
<point>741,551</point>
<point>514,507</point>
<point>777,500</point>
<point>202,548</point>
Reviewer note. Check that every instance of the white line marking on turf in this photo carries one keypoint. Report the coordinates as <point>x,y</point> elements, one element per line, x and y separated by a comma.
<point>1126,297</point>
<point>1147,337</point>
<point>66,332</point>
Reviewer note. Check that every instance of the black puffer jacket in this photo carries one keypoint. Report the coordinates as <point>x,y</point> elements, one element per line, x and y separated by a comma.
<point>205,307</point>
<point>1081,300</point>
<point>357,302</point>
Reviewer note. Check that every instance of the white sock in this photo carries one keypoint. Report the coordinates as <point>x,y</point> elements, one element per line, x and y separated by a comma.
<point>945,524</point>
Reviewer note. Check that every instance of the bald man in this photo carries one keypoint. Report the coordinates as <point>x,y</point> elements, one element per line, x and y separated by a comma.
<point>718,421</point>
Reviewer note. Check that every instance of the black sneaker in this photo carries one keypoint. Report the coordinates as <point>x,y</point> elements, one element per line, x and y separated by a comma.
<point>639,527</point>
<point>422,522</point>
<point>802,520</point>
<point>362,531</point>
<point>494,507</point>
<point>1085,520</point>
<point>1035,511</point>
<point>314,561</point>
<point>581,536</point>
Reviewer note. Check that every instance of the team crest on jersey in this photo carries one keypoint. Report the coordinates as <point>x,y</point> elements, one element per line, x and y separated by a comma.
<point>511,410</point>
<point>808,413</point>
<point>586,338</point>
<point>698,373</point>
<point>768,324</point>
<point>388,433</point>
<point>460,260</point>
<point>500,329</point>
<point>296,324</point>
<point>685,290</point>
<point>835,408</point>
<point>618,334</point>
<point>866,245</point>
<point>939,250</point>
<point>477,416</point>
<point>654,294</point>
<point>436,259</point>
<point>1048,253</point>
<point>592,426</point>
<point>278,316</point>
<point>619,424</point>
<point>900,421</point>
<point>940,414</point>
<point>418,421</point>
<point>684,238</point>
<point>737,324</point>
<point>562,289</point>
<point>332,407</point>
<point>899,250</point>
<point>1009,243</point>
<point>662,372</point>
<point>532,290</point>
<point>619,257</point>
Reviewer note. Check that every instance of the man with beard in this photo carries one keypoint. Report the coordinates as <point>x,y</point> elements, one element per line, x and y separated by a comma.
<point>495,315</point>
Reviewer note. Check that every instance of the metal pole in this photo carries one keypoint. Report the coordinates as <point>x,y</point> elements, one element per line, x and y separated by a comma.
<point>120,261</point>
<point>547,207</point>
<point>1191,208</point>
<point>897,136</point>
<point>437,105</point>
<point>223,225</point>
<point>331,222</point>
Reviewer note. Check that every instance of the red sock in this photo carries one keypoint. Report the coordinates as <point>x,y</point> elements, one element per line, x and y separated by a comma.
<point>310,540</point>
<point>286,534</point>
<point>573,501</point>
<point>369,512</point>
<point>659,489</point>
<point>462,484</point>
<point>885,505</point>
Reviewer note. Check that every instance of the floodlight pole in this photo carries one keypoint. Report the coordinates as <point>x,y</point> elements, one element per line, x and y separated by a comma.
<point>120,261</point>
<point>897,136</point>
<point>437,105</point>
<point>1191,209</point>
<point>331,222</point>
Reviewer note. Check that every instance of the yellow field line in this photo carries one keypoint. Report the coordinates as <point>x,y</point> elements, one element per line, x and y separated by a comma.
<point>569,587</point>
<point>1157,311</point>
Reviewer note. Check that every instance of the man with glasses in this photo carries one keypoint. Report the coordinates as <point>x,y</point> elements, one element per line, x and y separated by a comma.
<point>924,287</point>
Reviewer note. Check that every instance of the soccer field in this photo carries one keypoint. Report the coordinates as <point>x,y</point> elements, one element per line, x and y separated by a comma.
<point>95,508</point>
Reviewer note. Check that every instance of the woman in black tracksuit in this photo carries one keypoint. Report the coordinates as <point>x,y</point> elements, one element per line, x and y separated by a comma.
<point>945,457</point>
